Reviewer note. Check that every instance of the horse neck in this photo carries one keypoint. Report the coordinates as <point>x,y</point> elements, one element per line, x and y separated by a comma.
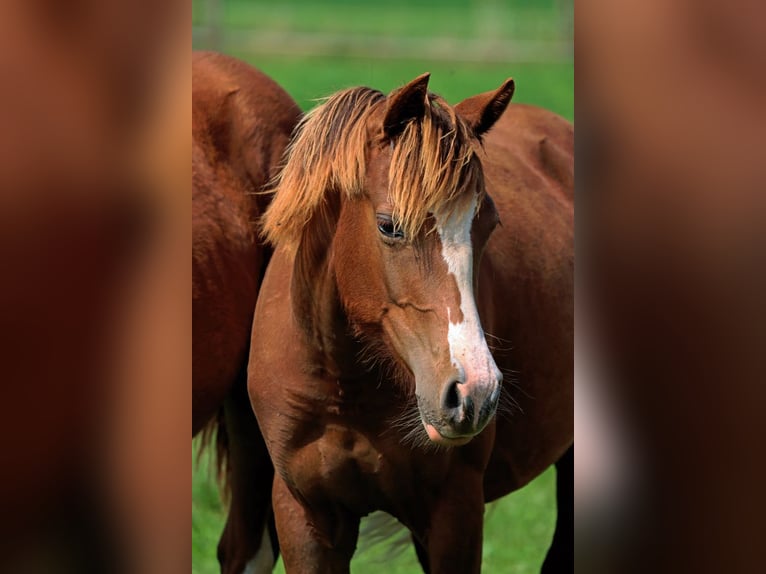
<point>318,309</point>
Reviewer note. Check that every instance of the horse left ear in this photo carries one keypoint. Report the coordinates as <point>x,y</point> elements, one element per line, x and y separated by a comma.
<point>405,105</point>
<point>482,111</point>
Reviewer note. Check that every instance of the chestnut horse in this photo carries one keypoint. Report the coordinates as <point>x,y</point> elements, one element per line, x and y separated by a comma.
<point>241,123</point>
<point>376,388</point>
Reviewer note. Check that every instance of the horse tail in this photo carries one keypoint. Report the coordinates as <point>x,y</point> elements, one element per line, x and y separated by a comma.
<point>215,434</point>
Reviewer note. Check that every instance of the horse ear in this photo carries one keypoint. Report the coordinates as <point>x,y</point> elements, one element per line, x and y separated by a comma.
<point>406,104</point>
<point>482,111</point>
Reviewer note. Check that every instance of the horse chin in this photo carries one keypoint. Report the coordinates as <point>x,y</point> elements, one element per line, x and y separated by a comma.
<point>442,440</point>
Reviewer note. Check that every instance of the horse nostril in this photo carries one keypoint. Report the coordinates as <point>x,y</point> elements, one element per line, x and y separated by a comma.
<point>452,396</point>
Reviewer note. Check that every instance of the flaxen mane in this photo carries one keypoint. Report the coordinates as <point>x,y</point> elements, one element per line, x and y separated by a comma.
<point>432,161</point>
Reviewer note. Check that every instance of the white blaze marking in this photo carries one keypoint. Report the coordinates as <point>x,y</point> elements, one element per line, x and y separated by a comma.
<point>263,561</point>
<point>468,347</point>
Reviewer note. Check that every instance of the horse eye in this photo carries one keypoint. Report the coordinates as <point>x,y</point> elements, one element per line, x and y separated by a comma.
<point>386,227</point>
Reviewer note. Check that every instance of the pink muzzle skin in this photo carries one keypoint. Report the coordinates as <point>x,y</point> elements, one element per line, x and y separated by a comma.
<point>438,438</point>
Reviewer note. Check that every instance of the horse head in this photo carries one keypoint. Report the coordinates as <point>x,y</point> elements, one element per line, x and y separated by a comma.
<point>389,193</point>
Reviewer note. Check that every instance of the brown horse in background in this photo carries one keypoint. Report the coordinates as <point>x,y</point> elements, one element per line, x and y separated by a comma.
<point>241,123</point>
<point>376,388</point>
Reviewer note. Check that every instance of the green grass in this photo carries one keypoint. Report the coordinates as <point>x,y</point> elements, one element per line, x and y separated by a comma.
<point>308,76</point>
<point>458,19</point>
<point>306,79</point>
<point>517,532</point>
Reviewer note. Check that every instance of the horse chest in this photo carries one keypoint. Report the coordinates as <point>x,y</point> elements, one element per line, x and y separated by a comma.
<point>341,464</point>
<point>339,443</point>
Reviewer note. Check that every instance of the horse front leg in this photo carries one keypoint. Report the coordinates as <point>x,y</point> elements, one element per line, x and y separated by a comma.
<point>453,541</point>
<point>313,543</point>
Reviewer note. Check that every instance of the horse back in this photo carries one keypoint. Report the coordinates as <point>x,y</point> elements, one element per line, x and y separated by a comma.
<point>241,118</point>
<point>528,137</point>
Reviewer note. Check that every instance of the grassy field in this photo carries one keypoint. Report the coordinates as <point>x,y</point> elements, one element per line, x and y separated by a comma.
<point>310,75</point>
<point>457,19</point>
<point>306,79</point>
<point>518,528</point>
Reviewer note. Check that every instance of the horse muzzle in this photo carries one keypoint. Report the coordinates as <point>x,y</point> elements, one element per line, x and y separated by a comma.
<point>464,410</point>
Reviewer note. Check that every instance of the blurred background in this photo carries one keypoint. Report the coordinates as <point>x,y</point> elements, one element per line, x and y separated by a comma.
<point>315,48</point>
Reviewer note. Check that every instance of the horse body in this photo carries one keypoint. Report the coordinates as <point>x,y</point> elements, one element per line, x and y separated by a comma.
<point>526,294</point>
<point>526,287</point>
<point>241,123</point>
<point>375,389</point>
<point>334,439</point>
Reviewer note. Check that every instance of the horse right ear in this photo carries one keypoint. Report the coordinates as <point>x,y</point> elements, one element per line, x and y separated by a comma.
<point>482,111</point>
<point>405,105</point>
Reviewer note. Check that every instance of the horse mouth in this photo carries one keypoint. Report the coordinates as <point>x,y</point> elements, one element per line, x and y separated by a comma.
<point>435,436</point>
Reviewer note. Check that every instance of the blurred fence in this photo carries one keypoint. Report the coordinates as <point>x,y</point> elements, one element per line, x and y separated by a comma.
<point>449,30</point>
